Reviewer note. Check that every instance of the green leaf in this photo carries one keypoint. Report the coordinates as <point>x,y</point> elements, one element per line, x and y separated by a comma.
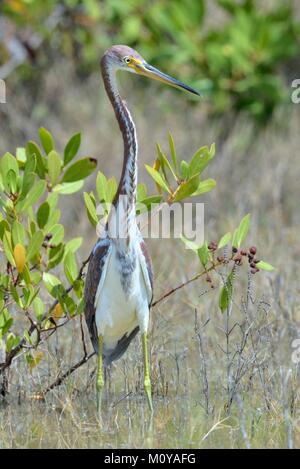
<point>265,266</point>
<point>12,341</point>
<point>15,295</point>
<point>33,196</point>
<point>35,244</point>
<point>56,255</point>
<point>58,233</point>
<point>72,148</point>
<point>71,305</point>
<point>38,307</point>
<point>204,254</point>
<point>33,149</point>
<point>141,192</point>
<point>52,200</point>
<point>73,245</point>
<point>234,239</point>
<point>6,321</point>
<point>173,151</point>
<point>29,295</point>
<point>31,161</point>
<point>242,231</point>
<point>164,161</point>
<point>28,276</point>
<point>146,204</point>
<point>226,293</point>
<point>158,178</point>
<point>101,186</point>
<point>67,188</point>
<point>18,233</point>
<point>224,240</point>
<point>54,166</point>
<point>21,155</point>
<point>4,226</point>
<point>35,277</point>
<point>54,218</point>
<point>50,282</point>
<point>184,168</point>
<point>80,170</point>
<point>11,180</point>
<point>201,159</point>
<point>111,190</point>
<point>8,162</point>
<point>70,267</point>
<point>205,186</point>
<point>91,209</point>
<point>190,244</point>
<point>186,189</point>
<point>80,307</point>
<point>7,246</point>
<point>46,140</point>
<point>42,215</point>
<point>28,183</point>
<point>33,359</point>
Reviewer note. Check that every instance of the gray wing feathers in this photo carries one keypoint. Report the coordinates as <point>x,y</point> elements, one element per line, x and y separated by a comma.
<point>93,277</point>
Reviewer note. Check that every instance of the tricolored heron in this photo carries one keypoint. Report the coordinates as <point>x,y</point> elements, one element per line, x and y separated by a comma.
<point>119,281</point>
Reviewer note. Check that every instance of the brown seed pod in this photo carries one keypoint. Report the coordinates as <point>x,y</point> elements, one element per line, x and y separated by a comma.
<point>237,258</point>
<point>243,252</point>
<point>234,249</point>
<point>253,250</point>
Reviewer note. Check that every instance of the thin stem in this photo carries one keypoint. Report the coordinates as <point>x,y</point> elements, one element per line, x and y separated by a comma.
<point>184,284</point>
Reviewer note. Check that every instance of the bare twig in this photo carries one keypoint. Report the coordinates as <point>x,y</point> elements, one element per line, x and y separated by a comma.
<point>61,378</point>
<point>203,363</point>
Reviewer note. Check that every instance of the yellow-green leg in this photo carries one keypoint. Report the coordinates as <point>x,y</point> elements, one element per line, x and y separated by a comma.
<point>100,375</point>
<point>147,381</point>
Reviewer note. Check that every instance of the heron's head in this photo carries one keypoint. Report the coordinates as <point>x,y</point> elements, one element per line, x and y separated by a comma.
<point>124,58</point>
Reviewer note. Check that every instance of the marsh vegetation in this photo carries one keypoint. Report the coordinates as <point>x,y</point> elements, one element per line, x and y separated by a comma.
<point>226,379</point>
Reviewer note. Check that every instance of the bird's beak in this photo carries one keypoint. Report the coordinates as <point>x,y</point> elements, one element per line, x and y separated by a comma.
<point>152,72</point>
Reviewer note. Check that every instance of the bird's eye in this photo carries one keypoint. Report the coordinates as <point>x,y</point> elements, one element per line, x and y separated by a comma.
<point>127,60</point>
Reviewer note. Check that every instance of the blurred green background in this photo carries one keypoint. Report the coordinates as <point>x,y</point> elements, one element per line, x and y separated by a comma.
<point>240,54</point>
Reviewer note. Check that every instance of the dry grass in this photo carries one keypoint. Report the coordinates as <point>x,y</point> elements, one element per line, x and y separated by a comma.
<point>255,172</point>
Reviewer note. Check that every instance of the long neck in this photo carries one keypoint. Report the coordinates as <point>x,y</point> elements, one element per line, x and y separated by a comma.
<point>127,186</point>
<point>128,181</point>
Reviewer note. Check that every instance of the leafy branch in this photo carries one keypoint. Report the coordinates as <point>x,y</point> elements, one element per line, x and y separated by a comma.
<point>33,247</point>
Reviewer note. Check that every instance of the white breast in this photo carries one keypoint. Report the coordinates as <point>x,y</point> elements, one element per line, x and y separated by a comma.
<point>117,312</point>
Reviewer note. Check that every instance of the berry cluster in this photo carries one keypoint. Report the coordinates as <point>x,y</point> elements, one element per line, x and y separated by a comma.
<point>238,255</point>
<point>250,253</point>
